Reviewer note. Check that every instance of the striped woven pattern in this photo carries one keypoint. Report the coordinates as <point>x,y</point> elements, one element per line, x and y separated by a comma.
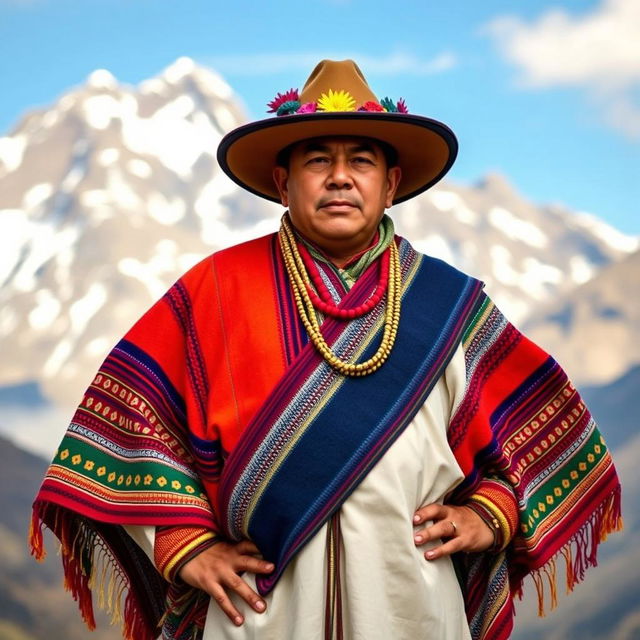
<point>522,419</point>
<point>126,447</point>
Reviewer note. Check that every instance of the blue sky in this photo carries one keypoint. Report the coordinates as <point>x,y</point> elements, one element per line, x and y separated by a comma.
<point>547,93</point>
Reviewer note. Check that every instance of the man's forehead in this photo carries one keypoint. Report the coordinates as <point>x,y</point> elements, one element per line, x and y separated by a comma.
<point>360,143</point>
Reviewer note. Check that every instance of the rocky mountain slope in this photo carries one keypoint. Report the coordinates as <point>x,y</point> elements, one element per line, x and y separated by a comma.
<point>33,603</point>
<point>593,330</point>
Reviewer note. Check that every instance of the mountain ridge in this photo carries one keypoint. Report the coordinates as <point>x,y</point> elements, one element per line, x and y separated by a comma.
<point>113,192</point>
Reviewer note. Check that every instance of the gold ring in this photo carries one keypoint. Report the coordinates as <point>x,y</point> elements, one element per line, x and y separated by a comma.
<point>455,528</point>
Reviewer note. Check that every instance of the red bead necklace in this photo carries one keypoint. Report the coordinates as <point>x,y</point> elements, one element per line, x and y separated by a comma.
<point>322,300</point>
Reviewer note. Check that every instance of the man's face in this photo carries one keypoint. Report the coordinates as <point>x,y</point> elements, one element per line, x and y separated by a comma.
<point>336,189</point>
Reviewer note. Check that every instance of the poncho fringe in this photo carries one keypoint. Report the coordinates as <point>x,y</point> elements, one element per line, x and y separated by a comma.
<point>579,554</point>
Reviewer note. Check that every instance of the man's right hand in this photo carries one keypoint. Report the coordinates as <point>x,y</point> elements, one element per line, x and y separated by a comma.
<point>217,570</point>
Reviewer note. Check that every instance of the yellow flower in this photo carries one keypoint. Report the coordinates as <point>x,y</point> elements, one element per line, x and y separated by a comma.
<point>336,101</point>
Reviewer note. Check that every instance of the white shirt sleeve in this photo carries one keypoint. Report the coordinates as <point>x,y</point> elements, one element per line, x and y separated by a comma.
<point>144,536</point>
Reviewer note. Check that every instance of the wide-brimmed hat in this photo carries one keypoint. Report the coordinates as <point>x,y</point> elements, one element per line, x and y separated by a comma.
<point>337,101</point>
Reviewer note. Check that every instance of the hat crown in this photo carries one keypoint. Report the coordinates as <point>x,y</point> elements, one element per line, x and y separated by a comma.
<point>337,75</point>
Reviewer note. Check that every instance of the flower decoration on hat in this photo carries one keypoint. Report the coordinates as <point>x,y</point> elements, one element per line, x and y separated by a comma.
<point>288,107</point>
<point>282,99</point>
<point>308,107</point>
<point>394,107</point>
<point>336,101</point>
<point>389,105</point>
<point>288,103</point>
<point>372,106</point>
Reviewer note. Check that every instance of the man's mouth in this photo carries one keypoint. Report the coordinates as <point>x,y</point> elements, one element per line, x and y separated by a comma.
<point>338,204</point>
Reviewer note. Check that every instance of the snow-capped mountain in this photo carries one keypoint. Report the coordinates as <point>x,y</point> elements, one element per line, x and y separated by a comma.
<point>593,331</point>
<point>105,199</point>
<point>110,194</point>
<point>525,253</point>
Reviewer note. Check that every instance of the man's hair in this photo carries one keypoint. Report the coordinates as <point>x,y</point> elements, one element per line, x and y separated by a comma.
<point>390,154</point>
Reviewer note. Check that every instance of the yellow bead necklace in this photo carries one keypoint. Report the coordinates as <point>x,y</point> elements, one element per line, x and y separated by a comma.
<point>300,279</point>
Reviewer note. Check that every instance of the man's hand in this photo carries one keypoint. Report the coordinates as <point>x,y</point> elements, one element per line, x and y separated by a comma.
<point>462,527</point>
<point>216,570</point>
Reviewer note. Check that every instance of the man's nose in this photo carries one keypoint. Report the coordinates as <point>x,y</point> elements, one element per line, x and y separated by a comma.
<point>340,175</point>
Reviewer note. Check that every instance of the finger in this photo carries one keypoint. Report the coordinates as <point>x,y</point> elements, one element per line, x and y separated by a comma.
<point>452,546</point>
<point>253,565</point>
<point>247,547</point>
<point>237,584</point>
<point>222,600</point>
<point>441,529</point>
<point>429,512</point>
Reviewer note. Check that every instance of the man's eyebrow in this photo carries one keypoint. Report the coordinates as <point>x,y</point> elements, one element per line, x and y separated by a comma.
<point>358,147</point>
<point>312,147</point>
<point>363,147</point>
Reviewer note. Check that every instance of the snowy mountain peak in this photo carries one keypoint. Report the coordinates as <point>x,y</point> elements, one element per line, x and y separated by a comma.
<point>102,79</point>
<point>182,67</point>
<point>496,182</point>
<point>185,76</point>
<point>607,233</point>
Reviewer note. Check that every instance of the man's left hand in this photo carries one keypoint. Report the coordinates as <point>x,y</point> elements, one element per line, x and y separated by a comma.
<point>461,528</point>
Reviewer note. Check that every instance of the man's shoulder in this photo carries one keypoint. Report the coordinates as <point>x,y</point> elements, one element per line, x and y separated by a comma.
<point>246,250</point>
<point>438,267</point>
<point>239,256</point>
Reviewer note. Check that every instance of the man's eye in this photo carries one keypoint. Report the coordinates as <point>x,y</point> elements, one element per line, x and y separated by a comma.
<point>362,160</point>
<point>317,160</point>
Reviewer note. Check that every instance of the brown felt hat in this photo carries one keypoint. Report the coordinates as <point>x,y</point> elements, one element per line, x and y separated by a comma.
<point>337,101</point>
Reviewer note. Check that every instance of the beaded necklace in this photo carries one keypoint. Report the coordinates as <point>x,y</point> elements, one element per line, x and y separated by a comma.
<point>323,301</point>
<point>307,303</point>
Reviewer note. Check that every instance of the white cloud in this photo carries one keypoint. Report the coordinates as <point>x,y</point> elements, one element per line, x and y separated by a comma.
<point>597,51</point>
<point>270,63</point>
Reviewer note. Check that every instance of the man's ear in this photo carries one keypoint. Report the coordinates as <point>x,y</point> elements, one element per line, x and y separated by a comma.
<point>280,177</point>
<point>394,175</point>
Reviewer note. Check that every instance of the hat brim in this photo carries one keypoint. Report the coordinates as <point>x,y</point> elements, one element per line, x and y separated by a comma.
<point>426,148</point>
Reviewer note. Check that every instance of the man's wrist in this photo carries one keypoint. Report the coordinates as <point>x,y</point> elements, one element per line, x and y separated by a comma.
<point>494,502</point>
<point>175,546</point>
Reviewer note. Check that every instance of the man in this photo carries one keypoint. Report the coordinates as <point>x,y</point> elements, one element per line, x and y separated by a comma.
<point>322,433</point>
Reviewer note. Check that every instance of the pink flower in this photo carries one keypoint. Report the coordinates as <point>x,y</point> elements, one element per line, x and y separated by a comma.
<point>307,107</point>
<point>402,107</point>
<point>281,98</point>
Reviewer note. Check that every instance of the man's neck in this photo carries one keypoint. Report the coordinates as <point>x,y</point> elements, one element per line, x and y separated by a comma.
<point>342,258</point>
